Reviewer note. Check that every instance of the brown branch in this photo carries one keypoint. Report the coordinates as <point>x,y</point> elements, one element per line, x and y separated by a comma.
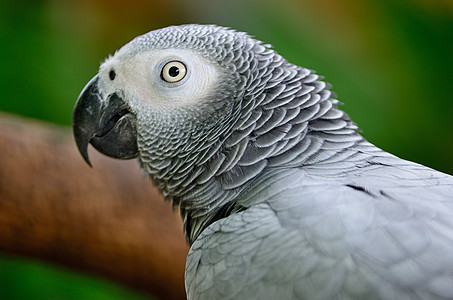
<point>108,220</point>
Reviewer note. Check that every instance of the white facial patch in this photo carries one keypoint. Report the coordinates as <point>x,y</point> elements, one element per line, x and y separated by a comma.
<point>140,77</point>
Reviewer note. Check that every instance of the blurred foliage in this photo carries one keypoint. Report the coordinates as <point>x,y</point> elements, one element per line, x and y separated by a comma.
<point>390,62</point>
<point>25,279</point>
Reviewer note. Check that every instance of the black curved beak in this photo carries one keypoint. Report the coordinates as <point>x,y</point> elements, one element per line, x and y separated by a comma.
<point>107,124</point>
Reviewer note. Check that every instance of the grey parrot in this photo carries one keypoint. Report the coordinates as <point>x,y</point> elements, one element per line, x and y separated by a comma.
<point>281,197</point>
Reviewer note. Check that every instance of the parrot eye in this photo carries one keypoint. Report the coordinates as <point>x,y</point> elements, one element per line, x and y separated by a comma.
<point>173,71</point>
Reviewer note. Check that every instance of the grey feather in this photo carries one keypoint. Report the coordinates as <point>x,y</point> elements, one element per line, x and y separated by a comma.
<point>281,197</point>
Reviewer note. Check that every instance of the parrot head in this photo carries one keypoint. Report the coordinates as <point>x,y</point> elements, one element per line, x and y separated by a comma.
<point>205,110</point>
<point>168,79</point>
<point>171,98</point>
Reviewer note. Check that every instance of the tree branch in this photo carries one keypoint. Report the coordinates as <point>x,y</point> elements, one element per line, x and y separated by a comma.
<point>108,220</point>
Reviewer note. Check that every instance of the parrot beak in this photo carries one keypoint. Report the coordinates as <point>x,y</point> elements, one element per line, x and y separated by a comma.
<point>107,124</point>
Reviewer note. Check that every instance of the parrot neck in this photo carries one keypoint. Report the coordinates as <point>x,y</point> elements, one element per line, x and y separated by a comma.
<point>211,190</point>
<point>216,199</point>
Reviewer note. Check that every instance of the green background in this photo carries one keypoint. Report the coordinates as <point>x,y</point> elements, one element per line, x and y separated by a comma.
<point>390,62</point>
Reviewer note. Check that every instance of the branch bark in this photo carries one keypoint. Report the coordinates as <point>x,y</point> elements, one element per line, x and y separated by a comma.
<point>108,220</point>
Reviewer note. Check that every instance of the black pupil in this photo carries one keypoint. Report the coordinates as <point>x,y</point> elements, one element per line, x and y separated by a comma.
<point>173,71</point>
<point>112,74</point>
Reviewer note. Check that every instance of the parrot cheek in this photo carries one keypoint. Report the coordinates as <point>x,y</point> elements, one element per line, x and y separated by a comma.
<point>106,123</point>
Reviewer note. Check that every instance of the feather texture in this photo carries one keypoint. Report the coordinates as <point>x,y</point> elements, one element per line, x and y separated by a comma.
<point>281,197</point>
